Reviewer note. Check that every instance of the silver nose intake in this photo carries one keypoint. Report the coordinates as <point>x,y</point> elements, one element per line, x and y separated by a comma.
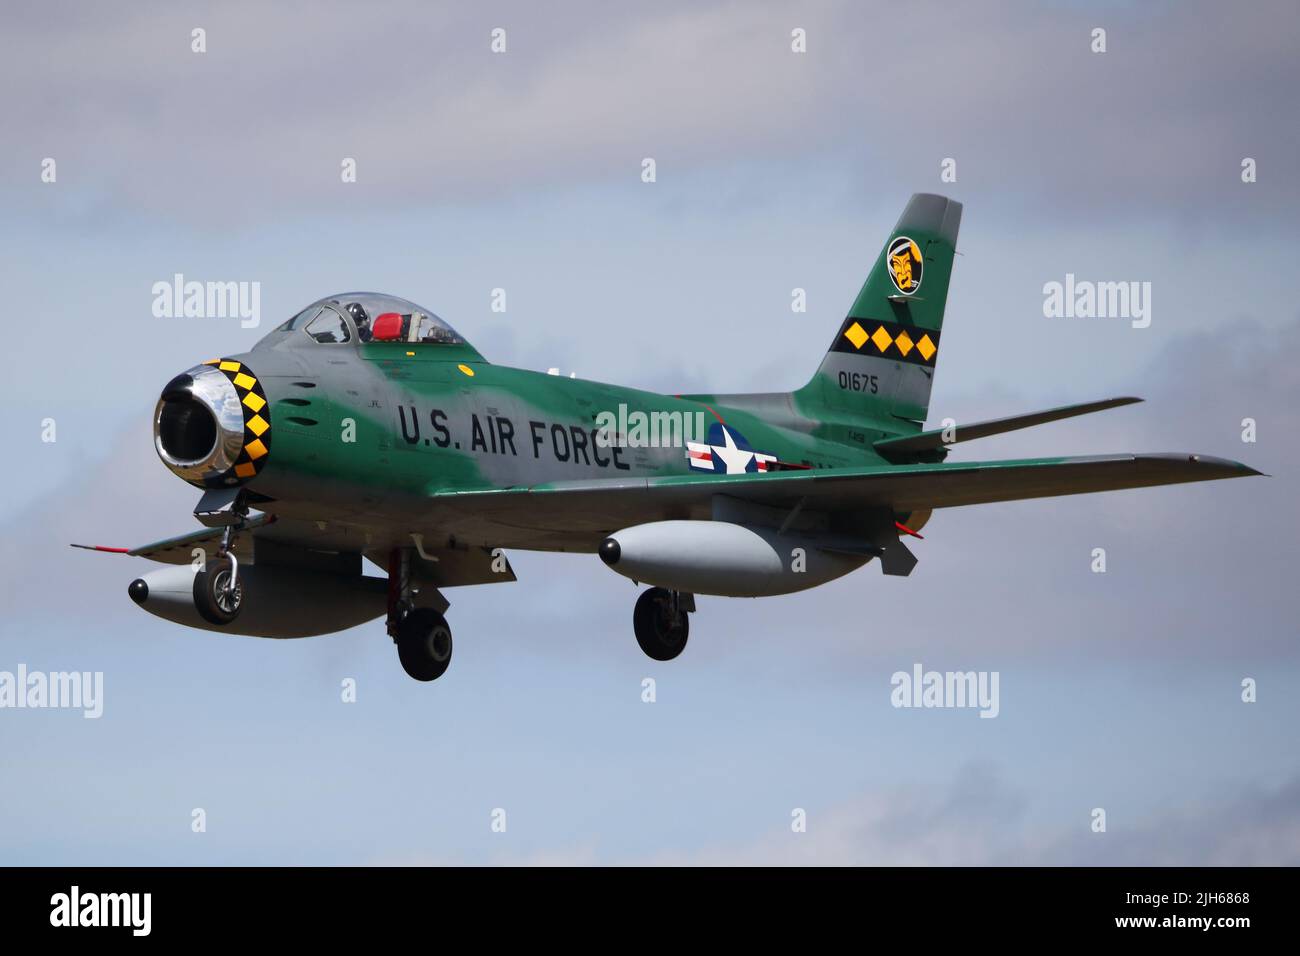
<point>199,426</point>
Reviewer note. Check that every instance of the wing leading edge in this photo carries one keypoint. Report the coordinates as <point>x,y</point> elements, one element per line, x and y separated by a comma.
<point>180,549</point>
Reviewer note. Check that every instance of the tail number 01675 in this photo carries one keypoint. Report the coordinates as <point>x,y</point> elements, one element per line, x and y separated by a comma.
<point>858,382</point>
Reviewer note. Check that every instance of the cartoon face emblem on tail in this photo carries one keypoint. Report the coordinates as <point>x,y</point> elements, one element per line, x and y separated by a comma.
<point>905,265</point>
<point>726,453</point>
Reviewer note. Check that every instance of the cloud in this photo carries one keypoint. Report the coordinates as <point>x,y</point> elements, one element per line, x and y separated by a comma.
<point>1158,125</point>
<point>976,819</point>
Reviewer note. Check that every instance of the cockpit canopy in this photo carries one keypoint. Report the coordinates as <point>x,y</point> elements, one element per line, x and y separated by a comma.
<point>370,317</point>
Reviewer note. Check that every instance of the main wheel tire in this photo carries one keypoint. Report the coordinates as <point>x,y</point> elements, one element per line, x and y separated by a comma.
<point>213,598</point>
<point>661,633</point>
<point>424,644</point>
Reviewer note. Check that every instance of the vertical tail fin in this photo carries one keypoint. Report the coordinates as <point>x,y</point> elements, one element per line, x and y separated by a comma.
<point>881,364</point>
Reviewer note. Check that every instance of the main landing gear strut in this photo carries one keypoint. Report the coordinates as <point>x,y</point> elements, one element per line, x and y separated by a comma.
<point>421,634</point>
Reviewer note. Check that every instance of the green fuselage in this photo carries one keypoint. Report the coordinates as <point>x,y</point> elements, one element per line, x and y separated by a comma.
<point>373,430</point>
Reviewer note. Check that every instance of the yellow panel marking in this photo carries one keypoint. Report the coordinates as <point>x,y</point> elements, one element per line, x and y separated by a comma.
<point>212,361</point>
<point>926,347</point>
<point>856,334</point>
<point>257,425</point>
<point>229,366</point>
<point>246,470</point>
<point>467,370</point>
<point>412,354</point>
<point>244,380</point>
<point>881,338</point>
<point>254,401</point>
<point>904,343</point>
<point>255,449</point>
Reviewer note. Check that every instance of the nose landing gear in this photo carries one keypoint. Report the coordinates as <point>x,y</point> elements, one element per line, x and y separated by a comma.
<point>218,592</point>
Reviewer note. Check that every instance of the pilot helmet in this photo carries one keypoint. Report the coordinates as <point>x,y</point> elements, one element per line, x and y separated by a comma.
<point>358,313</point>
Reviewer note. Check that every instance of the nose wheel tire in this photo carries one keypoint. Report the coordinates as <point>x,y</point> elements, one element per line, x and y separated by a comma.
<point>661,627</point>
<point>424,644</point>
<point>215,600</point>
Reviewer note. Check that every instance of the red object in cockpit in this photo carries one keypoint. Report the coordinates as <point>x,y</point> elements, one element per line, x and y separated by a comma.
<point>387,327</point>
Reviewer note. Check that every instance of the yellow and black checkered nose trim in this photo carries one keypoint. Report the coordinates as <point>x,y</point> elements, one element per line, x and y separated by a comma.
<point>889,340</point>
<point>257,417</point>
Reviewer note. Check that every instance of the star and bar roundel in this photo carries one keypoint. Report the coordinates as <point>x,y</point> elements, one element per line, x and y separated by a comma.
<point>257,425</point>
<point>889,340</point>
<point>727,453</point>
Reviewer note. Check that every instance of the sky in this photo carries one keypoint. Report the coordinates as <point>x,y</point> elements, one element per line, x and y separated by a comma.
<point>775,170</point>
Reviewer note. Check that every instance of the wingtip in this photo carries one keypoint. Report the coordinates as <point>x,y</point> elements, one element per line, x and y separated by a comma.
<point>1209,467</point>
<point>1243,470</point>
<point>1238,469</point>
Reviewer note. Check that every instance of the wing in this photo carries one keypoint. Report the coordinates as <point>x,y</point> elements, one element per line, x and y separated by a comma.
<point>180,549</point>
<point>330,546</point>
<point>577,515</point>
<point>593,509</point>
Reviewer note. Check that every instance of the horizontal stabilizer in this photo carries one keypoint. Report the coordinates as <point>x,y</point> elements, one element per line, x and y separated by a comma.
<point>909,445</point>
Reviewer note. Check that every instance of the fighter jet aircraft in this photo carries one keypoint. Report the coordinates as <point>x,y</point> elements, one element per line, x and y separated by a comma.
<point>366,428</point>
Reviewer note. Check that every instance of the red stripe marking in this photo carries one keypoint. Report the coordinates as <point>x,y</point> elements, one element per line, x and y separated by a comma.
<point>904,528</point>
<point>715,414</point>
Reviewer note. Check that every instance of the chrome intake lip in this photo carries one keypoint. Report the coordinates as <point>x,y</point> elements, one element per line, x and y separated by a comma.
<point>209,391</point>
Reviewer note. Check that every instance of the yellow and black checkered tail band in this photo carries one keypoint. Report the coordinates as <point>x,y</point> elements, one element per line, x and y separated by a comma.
<point>901,343</point>
<point>257,417</point>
